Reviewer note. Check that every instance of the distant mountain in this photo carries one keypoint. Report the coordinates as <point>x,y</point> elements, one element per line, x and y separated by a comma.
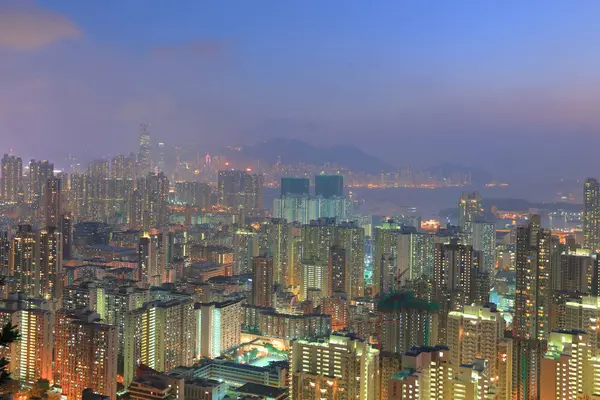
<point>294,151</point>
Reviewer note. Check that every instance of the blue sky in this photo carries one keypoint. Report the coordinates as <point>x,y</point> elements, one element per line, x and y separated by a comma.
<point>480,83</point>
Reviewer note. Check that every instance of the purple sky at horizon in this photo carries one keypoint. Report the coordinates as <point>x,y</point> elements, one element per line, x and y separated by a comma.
<point>509,87</point>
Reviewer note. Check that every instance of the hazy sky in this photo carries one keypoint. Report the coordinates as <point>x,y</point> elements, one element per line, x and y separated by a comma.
<point>505,85</point>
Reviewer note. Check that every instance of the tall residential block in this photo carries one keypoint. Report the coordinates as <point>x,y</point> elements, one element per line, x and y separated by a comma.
<point>341,367</point>
<point>85,354</point>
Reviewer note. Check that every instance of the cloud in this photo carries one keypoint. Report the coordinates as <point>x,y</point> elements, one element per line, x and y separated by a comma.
<point>25,27</point>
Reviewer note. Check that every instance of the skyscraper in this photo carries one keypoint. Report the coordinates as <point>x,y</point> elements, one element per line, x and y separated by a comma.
<point>406,321</point>
<point>484,240</point>
<point>218,328</point>
<point>532,299</point>
<point>317,238</point>
<point>53,201</point>
<point>121,166</point>
<point>591,215</point>
<point>245,248</point>
<point>351,238</point>
<point>31,355</point>
<point>118,302</point>
<point>343,367</point>
<point>24,261</point>
<point>317,276</point>
<point>39,173</point>
<point>262,282</point>
<point>415,253</point>
<point>474,333</point>
<point>96,191</point>
<point>161,157</point>
<point>385,257</point>
<point>12,179</point>
<point>51,253</point>
<point>563,367</point>
<point>160,335</point>
<point>328,186</point>
<point>241,191</point>
<point>144,158</point>
<point>295,186</point>
<point>85,354</point>
<point>338,265</point>
<point>66,230</point>
<point>469,209</point>
<point>146,265</point>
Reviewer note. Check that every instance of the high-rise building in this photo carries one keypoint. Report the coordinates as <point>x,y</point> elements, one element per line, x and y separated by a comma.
<point>241,191</point>
<point>454,279</point>
<point>85,354</point>
<point>4,252</point>
<point>39,174</point>
<point>526,361</point>
<point>583,315</point>
<point>121,166</point>
<point>295,208</point>
<point>317,238</point>
<point>53,201</point>
<point>161,157</point>
<point>415,255</point>
<point>144,158</point>
<point>24,264</point>
<point>469,209</point>
<point>484,241</point>
<point>328,186</point>
<point>245,248</point>
<point>195,194</point>
<point>338,308</point>
<point>316,275</point>
<point>351,238</point>
<point>591,215</point>
<point>423,376</point>
<point>219,327</point>
<point>428,374</point>
<point>385,257</point>
<point>146,267</point>
<point>51,253</point>
<point>96,189</point>
<point>474,333</point>
<point>66,230</point>
<point>150,201</point>
<point>263,281</point>
<point>342,367</point>
<point>338,265</point>
<point>563,366</point>
<point>532,299</point>
<point>31,356</point>
<point>295,186</point>
<point>406,321</point>
<point>88,294</point>
<point>12,179</point>
<point>278,247</point>
<point>160,335</point>
<point>575,273</point>
<point>117,303</point>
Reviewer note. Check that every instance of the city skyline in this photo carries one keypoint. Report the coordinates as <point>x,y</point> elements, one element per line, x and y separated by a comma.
<point>401,75</point>
<point>299,201</point>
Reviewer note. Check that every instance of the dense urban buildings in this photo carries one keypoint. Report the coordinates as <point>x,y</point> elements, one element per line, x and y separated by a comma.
<point>128,277</point>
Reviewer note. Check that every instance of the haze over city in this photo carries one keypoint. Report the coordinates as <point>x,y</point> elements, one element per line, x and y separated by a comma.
<point>507,87</point>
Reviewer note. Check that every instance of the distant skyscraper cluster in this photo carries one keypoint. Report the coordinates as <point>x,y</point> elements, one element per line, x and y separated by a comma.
<point>142,279</point>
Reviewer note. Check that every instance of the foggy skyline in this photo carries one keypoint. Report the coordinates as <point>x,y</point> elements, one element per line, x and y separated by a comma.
<point>507,88</point>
